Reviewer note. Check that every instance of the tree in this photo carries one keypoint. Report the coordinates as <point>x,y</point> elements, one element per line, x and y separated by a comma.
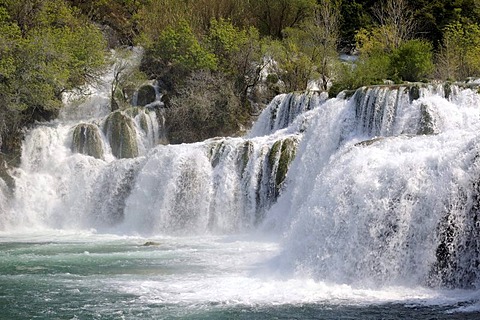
<point>309,52</point>
<point>205,107</point>
<point>296,57</point>
<point>117,17</point>
<point>459,56</point>
<point>126,77</point>
<point>396,20</point>
<point>354,16</point>
<point>238,52</point>
<point>45,49</point>
<point>326,36</point>
<point>175,54</point>
<point>273,16</point>
<point>158,15</point>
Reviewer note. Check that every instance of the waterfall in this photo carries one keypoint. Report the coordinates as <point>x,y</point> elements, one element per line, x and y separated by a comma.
<point>386,191</point>
<point>284,109</point>
<point>378,189</point>
<point>112,173</point>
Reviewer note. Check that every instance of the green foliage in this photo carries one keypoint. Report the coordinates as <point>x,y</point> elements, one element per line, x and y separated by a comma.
<point>118,17</point>
<point>304,54</point>
<point>368,70</point>
<point>412,61</point>
<point>309,51</point>
<point>49,46</point>
<point>354,17</point>
<point>296,67</point>
<point>375,40</point>
<point>435,15</point>
<point>459,56</point>
<point>10,38</point>
<point>126,78</point>
<point>232,51</point>
<point>45,49</point>
<point>178,47</point>
<point>225,41</point>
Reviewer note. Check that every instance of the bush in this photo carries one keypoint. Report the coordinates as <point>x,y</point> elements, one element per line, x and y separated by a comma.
<point>205,107</point>
<point>367,70</point>
<point>412,61</point>
<point>459,55</point>
<point>178,47</point>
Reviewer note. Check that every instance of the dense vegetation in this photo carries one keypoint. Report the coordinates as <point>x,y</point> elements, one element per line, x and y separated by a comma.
<point>215,59</point>
<point>46,48</point>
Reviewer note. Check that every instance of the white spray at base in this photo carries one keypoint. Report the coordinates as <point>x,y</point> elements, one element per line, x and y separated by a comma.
<point>383,189</point>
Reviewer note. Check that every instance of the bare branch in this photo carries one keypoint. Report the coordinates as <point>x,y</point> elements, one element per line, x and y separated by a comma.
<point>397,18</point>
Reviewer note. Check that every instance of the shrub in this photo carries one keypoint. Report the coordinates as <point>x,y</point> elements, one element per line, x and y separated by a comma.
<point>177,46</point>
<point>412,61</point>
<point>206,106</point>
<point>459,55</point>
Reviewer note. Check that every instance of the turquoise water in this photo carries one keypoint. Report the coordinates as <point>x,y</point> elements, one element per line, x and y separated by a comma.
<point>87,276</point>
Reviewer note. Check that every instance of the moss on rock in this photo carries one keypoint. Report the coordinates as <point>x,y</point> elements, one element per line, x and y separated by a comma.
<point>246,153</point>
<point>427,121</point>
<point>414,92</point>
<point>87,140</point>
<point>280,157</point>
<point>146,95</point>
<point>121,135</point>
<point>287,154</point>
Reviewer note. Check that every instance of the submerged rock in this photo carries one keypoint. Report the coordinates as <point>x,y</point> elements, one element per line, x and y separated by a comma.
<point>150,243</point>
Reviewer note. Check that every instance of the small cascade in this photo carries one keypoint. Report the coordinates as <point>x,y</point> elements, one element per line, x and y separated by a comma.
<point>150,126</point>
<point>216,186</point>
<point>405,109</point>
<point>220,185</point>
<point>284,109</point>
<point>110,190</point>
<point>4,193</point>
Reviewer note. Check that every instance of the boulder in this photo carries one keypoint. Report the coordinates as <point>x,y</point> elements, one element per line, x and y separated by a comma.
<point>146,95</point>
<point>87,140</point>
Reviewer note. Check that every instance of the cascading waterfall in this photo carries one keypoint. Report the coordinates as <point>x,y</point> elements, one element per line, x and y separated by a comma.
<point>110,172</point>
<point>379,189</point>
<point>284,109</point>
<point>386,190</point>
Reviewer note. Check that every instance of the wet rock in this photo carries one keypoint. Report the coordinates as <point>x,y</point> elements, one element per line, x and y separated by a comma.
<point>87,140</point>
<point>146,95</point>
<point>121,135</point>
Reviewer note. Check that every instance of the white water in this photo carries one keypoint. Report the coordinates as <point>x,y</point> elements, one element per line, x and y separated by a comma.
<point>373,213</point>
<point>378,185</point>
